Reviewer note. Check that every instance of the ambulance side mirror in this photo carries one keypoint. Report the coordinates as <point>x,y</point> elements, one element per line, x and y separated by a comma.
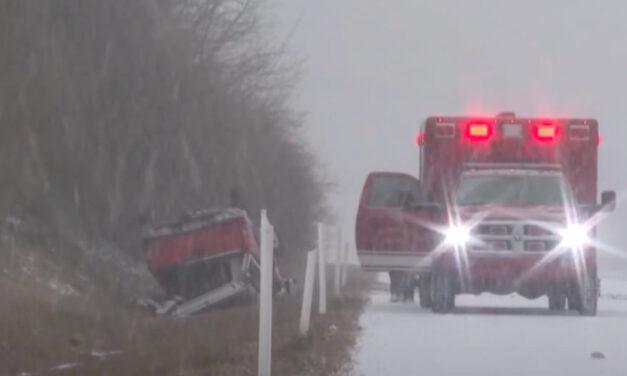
<point>608,201</point>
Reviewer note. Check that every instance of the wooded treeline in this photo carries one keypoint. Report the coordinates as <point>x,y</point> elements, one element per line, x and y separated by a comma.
<point>110,110</point>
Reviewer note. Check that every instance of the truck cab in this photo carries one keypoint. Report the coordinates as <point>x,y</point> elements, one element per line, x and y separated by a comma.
<point>501,205</point>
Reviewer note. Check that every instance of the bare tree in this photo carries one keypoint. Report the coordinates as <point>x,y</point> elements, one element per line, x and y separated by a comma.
<point>111,109</point>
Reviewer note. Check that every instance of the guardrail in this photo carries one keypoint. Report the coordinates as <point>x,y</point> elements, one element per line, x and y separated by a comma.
<point>265,296</point>
<point>329,244</point>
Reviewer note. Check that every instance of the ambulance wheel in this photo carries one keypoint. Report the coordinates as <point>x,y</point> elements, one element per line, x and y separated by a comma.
<point>587,296</point>
<point>443,295</point>
<point>424,291</point>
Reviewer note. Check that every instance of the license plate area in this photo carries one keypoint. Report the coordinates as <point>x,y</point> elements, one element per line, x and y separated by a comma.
<point>512,130</point>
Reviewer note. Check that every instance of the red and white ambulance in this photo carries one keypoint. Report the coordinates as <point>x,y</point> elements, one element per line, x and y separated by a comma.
<point>502,204</point>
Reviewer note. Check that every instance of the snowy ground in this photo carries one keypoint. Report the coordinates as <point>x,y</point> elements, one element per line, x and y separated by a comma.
<point>494,335</point>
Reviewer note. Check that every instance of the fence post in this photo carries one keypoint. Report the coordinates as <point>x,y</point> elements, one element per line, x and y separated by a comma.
<point>305,312</point>
<point>337,247</point>
<point>322,269</point>
<point>265,297</point>
<point>344,264</point>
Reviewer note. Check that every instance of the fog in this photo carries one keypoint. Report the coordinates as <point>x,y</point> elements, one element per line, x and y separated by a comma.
<point>150,148</point>
<point>374,70</point>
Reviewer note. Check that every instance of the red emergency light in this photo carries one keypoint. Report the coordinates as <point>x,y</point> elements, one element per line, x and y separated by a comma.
<point>545,132</point>
<point>478,131</point>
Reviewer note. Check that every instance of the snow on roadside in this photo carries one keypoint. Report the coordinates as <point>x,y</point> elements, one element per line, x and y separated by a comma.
<point>492,334</point>
<point>63,289</point>
<point>98,355</point>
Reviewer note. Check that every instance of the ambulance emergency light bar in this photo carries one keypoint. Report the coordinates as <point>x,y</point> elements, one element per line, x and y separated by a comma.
<point>483,130</point>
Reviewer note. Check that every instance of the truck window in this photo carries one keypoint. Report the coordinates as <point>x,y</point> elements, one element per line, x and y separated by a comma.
<point>511,190</point>
<point>394,191</point>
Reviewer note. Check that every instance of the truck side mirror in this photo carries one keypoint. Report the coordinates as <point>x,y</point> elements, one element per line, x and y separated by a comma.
<point>608,201</point>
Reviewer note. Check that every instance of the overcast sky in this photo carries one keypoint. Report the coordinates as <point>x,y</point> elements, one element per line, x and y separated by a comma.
<point>375,69</point>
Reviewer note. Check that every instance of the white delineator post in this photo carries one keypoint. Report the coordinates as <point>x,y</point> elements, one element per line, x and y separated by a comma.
<point>322,268</point>
<point>310,275</point>
<point>344,264</point>
<point>337,247</point>
<point>265,297</point>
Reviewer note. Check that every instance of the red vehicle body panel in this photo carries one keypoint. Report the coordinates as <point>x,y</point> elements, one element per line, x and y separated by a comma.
<point>574,153</point>
<point>443,158</point>
<point>389,238</point>
<point>209,241</point>
<point>529,266</point>
<point>446,150</point>
<point>525,267</point>
<point>191,255</point>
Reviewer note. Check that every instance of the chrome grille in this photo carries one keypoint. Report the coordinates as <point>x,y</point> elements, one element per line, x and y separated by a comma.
<point>514,236</point>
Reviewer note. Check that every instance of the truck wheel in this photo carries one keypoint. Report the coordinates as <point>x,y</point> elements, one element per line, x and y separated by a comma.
<point>588,296</point>
<point>424,291</point>
<point>557,301</point>
<point>584,296</point>
<point>573,301</point>
<point>443,296</point>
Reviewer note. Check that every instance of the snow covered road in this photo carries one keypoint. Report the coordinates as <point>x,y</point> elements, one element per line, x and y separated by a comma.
<point>494,335</point>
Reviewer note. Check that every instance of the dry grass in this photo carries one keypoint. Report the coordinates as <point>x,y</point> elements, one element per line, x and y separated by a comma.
<point>39,333</point>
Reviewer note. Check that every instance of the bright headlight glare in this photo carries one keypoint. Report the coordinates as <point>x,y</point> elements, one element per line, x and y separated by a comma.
<point>575,236</point>
<point>457,235</point>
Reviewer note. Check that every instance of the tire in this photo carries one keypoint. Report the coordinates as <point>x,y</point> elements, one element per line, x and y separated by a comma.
<point>443,295</point>
<point>557,301</point>
<point>424,291</point>
<point>585,295</point>
<point>589,296</point>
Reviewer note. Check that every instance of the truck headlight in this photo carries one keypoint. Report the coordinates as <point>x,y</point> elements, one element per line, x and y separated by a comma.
<point>457,235</point>
<point>574,236</point>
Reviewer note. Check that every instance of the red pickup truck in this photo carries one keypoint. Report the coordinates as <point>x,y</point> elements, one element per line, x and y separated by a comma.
<point>204,258</point>
<point>503,204</point>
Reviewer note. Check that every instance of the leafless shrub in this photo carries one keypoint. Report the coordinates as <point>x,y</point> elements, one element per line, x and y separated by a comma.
<point>112,109</point>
